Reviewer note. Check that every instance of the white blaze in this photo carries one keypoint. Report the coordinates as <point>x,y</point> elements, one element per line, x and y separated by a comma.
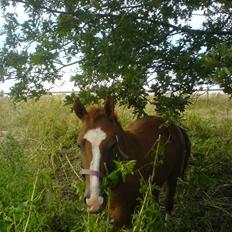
<point>95,137</point>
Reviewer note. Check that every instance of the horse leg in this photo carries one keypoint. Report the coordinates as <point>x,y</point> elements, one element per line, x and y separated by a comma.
<point>159,180</point>
<point>170,191</point>
<point>187,153</point>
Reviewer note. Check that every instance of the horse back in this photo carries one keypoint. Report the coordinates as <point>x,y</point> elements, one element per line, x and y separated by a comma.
<point>174,139</point>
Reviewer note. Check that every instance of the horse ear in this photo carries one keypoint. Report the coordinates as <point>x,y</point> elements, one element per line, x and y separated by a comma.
<point>79,108</point>
<point>109,106</point>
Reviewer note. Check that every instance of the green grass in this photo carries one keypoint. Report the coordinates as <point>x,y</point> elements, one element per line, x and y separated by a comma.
<point>39,164</point>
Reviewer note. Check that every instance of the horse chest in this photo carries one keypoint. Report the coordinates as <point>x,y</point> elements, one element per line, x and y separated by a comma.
<point>123,201</point>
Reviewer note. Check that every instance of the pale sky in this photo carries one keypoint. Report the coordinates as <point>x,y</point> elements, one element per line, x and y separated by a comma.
<point>65,84</point>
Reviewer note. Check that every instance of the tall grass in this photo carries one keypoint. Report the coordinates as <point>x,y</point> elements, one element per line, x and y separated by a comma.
<point>40,189</point>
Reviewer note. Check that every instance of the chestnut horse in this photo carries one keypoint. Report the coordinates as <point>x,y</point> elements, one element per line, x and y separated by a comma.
<point>102,140</point>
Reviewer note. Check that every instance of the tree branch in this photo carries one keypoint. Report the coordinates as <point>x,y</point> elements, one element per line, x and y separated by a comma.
<point>67,65</point>
<point>182,29</point>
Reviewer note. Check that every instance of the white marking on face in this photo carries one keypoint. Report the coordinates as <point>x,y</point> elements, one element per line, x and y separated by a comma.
<point>95,137</point>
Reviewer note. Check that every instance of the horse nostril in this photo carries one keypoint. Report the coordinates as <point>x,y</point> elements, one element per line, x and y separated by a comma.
<point>104,205</point>
<point>85,198</point>
<point>104,195</point>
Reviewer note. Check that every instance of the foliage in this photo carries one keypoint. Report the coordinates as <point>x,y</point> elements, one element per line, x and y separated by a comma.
<point>204,202</point>
<point>31,162</point>
<point>149,214</point>
<point>19,194</point>
<point>171,108</point>
<point>217,64</point>
<point>128,49</point>
<point>122,170</point>
<point>38,187</point>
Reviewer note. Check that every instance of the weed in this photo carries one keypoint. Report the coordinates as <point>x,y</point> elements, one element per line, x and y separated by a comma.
<point>41,190</point>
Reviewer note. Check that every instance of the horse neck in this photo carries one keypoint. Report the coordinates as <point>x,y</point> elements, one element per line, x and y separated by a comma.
<point>125,191</point>
<point>125,138</point>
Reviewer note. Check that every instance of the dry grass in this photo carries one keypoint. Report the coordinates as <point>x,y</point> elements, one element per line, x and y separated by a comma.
<point>41,136</point>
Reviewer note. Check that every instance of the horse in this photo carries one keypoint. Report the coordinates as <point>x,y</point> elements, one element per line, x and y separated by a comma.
<point>103,140</point>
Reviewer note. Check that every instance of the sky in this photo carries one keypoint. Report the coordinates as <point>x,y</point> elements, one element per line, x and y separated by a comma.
<point>62,85</point>
<point>65,84</point>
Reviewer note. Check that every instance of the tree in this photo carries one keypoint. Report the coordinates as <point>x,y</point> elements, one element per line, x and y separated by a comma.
<point>128,49</point>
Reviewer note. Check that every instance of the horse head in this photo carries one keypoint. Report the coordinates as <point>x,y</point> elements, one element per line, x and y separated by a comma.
<point>99,142</point>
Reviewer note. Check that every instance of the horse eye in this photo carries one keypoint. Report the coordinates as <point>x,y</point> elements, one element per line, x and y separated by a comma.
<point>113,143</point>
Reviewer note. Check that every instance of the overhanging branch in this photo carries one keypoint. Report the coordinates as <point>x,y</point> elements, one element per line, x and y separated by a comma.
<point>182,29</point>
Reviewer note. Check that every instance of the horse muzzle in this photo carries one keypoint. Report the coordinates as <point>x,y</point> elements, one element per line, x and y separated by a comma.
<point>96,204</point>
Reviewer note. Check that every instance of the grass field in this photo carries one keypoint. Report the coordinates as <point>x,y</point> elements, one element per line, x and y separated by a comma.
<point>39,166</point>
